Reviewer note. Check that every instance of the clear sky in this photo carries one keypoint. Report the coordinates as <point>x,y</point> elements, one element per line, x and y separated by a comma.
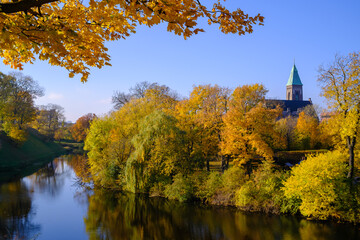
<point>309,31</point>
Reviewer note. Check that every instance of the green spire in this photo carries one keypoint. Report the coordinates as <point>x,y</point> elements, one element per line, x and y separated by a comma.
<point>294,78</point>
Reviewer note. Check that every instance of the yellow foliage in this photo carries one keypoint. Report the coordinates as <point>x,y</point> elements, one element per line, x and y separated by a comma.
<point>201,117</point>
<point>285,127</point>
<point>307,131</point>
<point>341,87</point>
<point>18,135</point>
<point>72,33</point>
<point>109,138</point>
<point>249,127</point>
<point>320,184</point>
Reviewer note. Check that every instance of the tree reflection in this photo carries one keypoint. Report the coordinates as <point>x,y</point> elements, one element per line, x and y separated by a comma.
<point>83,181</point>
<point>15,214</point>
<point>116,215</point>
<point>50,179</point>
<point>79,164</point>
<point>129,216</point>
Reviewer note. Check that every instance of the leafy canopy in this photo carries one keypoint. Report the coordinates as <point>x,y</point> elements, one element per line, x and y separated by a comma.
<point>318,187</point>
<point>80,129</point>
<point>340,83</point>
<point>72,33</point>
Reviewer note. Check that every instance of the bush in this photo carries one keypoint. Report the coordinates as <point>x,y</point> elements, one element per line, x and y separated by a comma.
<point>262,192</point>
<point>318,187</point>
<point>231,181</point>
<point>181,189</point>
<point>207,186</point>
<point>15,133</point>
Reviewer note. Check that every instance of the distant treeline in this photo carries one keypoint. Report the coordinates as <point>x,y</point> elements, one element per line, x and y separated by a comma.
<point>18,111</point>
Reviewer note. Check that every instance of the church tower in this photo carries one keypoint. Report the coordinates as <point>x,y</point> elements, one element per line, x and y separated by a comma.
<point>294,89</point>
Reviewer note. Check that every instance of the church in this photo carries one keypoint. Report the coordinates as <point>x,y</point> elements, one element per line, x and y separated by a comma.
<point>294,96</point>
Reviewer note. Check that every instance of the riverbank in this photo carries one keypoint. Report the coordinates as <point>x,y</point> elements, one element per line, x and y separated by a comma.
<point>108,214</point>
<point>35,150</point>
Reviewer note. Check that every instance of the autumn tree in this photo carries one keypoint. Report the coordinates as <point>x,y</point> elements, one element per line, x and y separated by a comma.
<point>63,133</point>
<point>80,128</point>
<point>109,140</point>
<point>72,33</point>
<point>157,152</point>
<point>307,131</point>
<point>201,117</point>
<point>286,128</point>
<point>249,126</point>
<point>341,87</point>
<point>318,188</point>
<point>17,108</point>
<point>49,119</point>
<point>330,135</point>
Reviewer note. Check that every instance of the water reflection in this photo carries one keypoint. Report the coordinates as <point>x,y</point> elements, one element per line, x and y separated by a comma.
<point>50,179</point>
<point>129,216</point>
<point>15,214</point>
<point>16,207</point>
<point>59,202</point>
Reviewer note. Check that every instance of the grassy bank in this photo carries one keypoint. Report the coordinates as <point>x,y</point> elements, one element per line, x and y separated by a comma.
<point>34,151</point>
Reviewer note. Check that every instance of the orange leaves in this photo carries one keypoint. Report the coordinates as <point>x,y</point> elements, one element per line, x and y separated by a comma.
<point>80,129</point>
<point>71,34</point>
<point>232,22</point>
<point>249,127</point>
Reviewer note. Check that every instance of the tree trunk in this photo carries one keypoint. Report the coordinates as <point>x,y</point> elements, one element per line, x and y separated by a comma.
<point>207,165</point>
<point>223,163</point>
<point>350,141</point>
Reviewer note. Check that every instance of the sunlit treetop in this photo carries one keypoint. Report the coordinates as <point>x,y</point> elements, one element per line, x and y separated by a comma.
<point>72,33</point>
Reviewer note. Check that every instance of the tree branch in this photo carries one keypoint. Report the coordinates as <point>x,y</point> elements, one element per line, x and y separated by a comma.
<point>22,6</point>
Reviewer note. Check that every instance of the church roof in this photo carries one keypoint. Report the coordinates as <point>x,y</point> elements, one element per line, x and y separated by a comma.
<point>294,78</point>
<point>288,105</point>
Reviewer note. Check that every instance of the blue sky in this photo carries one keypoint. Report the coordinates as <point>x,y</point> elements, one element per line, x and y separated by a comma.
<point>311,32</point>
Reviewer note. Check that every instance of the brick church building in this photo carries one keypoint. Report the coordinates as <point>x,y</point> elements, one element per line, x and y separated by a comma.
<point>294,96</point>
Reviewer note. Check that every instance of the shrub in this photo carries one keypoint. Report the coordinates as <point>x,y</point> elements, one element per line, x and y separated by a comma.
<point>181,189</point>
<point>231,181</point>
<point>212,185</point>
<point>320,189</point>
<point>262,192</point>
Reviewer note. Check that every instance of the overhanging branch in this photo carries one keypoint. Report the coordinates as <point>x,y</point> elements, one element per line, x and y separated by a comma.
<point>22,6</point>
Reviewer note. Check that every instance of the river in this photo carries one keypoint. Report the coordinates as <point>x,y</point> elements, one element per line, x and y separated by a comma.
<point>54,203</point>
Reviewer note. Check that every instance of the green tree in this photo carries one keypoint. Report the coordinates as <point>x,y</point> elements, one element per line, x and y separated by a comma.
<point>341,87</point>
<point>157,152</point>
<point>109,140</point>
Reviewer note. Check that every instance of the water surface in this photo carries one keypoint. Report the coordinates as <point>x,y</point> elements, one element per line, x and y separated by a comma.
<point>53,203</point>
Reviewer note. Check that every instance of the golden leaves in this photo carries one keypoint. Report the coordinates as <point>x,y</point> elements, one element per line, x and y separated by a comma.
<point>71,34</point>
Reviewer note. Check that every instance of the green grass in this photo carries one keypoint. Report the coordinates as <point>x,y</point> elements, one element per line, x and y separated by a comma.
<point>34,150</point>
